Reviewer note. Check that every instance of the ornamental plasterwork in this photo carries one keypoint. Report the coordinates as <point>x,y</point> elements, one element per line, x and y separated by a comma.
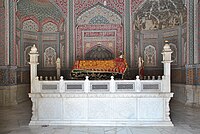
<point>98,10</point>
<point>174,54</point>
<point>30,25</point>
<point>150,55</point>
<point>49,27</point>
<point>49,57</point>
<point>26,55</point>
<point>159,14</point>
<point>39,9</point>
<point>81,5</point>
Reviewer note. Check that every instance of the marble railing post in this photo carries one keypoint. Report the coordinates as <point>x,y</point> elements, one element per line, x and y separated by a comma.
<point>58,66</point>
<point>112,84</point>
<point>33,66</point>
<point>138,84</point>
<point>167,67</point>
<point>86,85</point>
<point>62,85</point>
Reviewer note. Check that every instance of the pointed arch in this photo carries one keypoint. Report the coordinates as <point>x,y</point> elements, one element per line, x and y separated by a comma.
<point>99,52</point>
<point>49,27</point>
<point>150,55</point>
<point>30,23</point>
<point>97,12</point>
<point>49,57</point>
<point>49,19</point>
<point>26,55</point>
<point>174,54</point>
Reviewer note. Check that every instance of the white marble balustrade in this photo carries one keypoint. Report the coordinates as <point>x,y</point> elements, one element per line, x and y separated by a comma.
<point>86,86</point>
<point>101,103</point>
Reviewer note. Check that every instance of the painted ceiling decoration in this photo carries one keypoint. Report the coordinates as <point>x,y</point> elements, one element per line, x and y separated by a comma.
<point>41,9</point>
<point>159,14</point>
<point>83,5</point>
<point>135,4</point>
<point>62,4</point>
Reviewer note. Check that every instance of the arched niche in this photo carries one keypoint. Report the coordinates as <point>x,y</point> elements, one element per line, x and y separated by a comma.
<point>26,55</point>
<point>49,57</point>
<point>174,54</point>
<point>49,27</point>
<point>30,25</point>
<point>150,55</point>
<point>99,25</point>
<point>99,53</point>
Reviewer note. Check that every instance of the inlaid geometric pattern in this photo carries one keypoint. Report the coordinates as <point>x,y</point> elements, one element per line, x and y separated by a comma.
<point>30,25</point>
<point>199,30</point>
<point>193,74</point>
<point>49,27</point>
<point>135,4</point>
<point>198,75</point>
<point>49,57</point>
<point>178,75</point>
<point>39,10</point>
<point>109,36</point>
<point>190,72</point>
<point>99,20</point>
<point>99,15</point>
<point>116,5</point>
<point>2,35</point>
<point>8,77</point>
<point>150,55</point>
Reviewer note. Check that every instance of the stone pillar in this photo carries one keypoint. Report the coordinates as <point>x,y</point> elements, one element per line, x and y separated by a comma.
<point>167,67</point>
<point>127,39</point>
<point>71,55</point>
<point>33,65</point>
<point>10,32</point>
<point>196,50</point>
<point>58,66</point>
<point>190,32</point>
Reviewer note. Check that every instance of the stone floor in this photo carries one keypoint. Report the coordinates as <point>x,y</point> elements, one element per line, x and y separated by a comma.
<point>15,119</point>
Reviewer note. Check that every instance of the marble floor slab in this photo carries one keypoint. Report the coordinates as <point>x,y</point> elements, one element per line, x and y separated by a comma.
<point>15,119</point>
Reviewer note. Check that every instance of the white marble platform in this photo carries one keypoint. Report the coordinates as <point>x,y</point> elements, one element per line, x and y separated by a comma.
<point>15,120</point>
<point>101,109</point>
<point>101,103</point>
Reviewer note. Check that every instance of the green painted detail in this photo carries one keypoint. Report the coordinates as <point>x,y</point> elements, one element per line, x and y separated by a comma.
<point>58,46</point>
<point>191,32</point>
<point>11,33</point>
<point>64,53</point>
<point>127,30</point>
<point>71,36</point>
<point>21,48</point>
<point>41,53</point>
<point>180,45</point>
